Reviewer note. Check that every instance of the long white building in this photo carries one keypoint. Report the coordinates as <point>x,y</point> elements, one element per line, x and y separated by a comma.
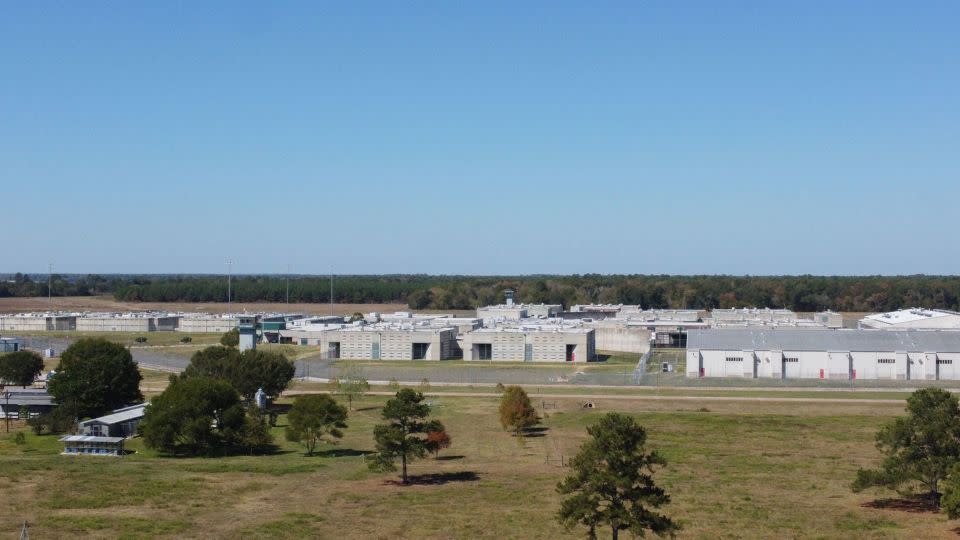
<point>783,353</point>
<point>916,318</point>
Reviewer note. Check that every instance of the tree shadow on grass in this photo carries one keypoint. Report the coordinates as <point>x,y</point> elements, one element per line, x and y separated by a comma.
<point>536,431</point>
<point>917,504</point>
<point>448,458</point>
<point>339,452</point>
<point>437,479</point>
<point>370,408</point>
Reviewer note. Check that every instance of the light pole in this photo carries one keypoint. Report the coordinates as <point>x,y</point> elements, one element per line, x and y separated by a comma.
<point>289,269</point>
<point>50,286</point>
<point>229,279</point>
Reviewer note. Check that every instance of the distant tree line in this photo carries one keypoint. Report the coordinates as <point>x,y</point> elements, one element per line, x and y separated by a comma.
<point>25,285</point>
<point>800,293</point>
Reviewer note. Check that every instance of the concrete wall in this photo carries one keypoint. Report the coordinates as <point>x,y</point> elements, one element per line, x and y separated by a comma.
<point>115,324</point>
<point>213,325</point>
<point>37,324</point>
<point>621,339</point>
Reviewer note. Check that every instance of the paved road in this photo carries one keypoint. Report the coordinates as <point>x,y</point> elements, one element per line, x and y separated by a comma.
<point>640,397</point>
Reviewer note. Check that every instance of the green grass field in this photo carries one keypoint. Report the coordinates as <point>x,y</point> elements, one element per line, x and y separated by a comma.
<point>736,470</point>
<point>162,339</point>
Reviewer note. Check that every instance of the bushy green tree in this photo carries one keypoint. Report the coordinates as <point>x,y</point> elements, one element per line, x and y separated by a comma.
<point>516,411</point>
<point>247,371</point>
<point>611,484</point>
<point>315,418</point>
<point>231,338</point>
<point>402,437</point>
<point>194,416</point>
<point>20,368</point>
<point>919,448</point>
<point>96,376</point>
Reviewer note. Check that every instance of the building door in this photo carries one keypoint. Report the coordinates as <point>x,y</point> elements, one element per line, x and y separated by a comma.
<point>571,353</point>
<point>756,364</point>
<point>333,350</point>
<point>528,352</point>
<point>484,351</point>
<point>420,351</point>
<point>886,367</point>
<point>791,368</point>
<point>945,369</point>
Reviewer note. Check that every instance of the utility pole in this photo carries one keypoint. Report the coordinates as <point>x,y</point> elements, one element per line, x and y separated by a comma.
<point>50,286</point>
<point>289,269</point>
<point>331,290</point>
<point>229,279</point>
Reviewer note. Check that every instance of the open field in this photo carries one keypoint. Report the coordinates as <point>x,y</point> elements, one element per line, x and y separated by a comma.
<point>736,469</point>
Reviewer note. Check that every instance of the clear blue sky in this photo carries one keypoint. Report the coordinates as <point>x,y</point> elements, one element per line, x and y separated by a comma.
<point>500,137</point>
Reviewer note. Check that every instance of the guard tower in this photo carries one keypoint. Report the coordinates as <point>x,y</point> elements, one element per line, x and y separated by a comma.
<point>509,293</point>
<point>247,325</point>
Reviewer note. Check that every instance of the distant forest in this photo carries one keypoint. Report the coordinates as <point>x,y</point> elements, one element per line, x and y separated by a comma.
<point>800,293</point>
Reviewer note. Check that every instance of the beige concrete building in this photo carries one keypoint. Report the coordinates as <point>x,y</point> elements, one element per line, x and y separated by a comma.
<point>382,341</point>
<point>210,324</point>
<point>127,322</point>
<point>38,322</point>
<point>552,342</point>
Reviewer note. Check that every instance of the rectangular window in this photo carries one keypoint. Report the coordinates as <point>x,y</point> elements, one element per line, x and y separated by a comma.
<point>734,359</point>
<point>484,351</point>
<point>886,361</point>
<point>944,361</point>
<point>791,360</point>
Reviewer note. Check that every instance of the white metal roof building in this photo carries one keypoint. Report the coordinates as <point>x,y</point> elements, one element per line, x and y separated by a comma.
<point>783,353</point>
<point>121,422</point>
<point>916,318</point>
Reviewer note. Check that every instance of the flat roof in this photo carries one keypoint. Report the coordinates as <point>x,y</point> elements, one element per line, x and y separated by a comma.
<point>794,339</point>
<point>120,415</point>
<point>910,315</point>
<point>90,438</point>
<point>532,329</point>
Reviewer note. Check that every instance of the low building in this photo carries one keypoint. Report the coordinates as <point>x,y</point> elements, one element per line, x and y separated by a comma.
<point>88,445</point>
<point>598,311</point>
<point>127,322</point>
<point>208,324</point>
<point>381,341</point>
<point>271,323</point>
<point>549,342</point>
<point>119,423</point>
<point>462,324</point>
<point>786,353</point>
<point>734,315</point>
<point>502,312</point>
<point>830,319</point>
<point>916,318</point>
<point>9,344</point>
<point>33,401</point>
<point>38,322</point>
